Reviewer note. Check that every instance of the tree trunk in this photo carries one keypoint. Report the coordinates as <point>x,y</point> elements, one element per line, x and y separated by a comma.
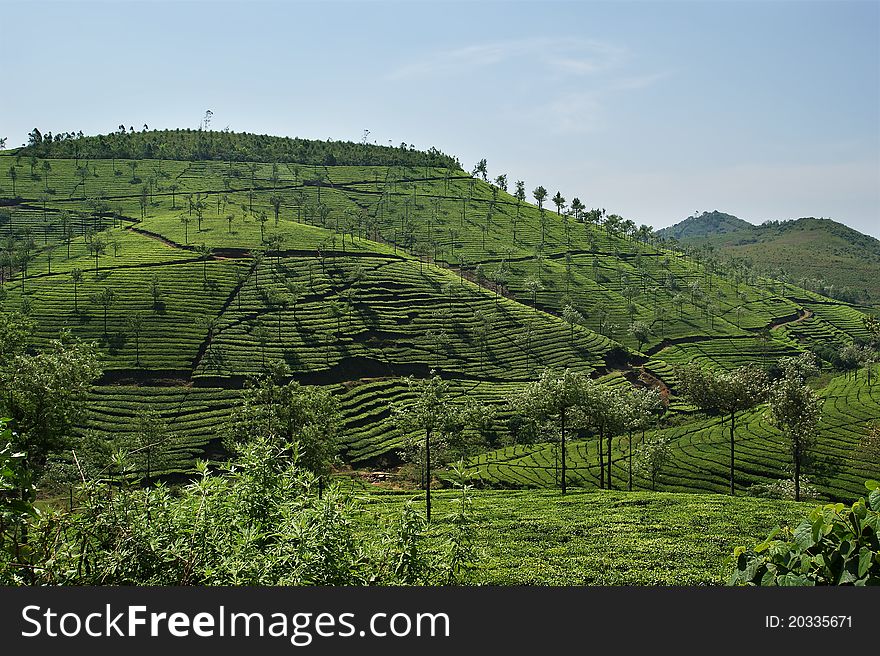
<point>563,449</point>
<point>601,460</point>
<point>732,428</point>
<point>428,474</point>
<point>610,486</point>
<point>630,484</point>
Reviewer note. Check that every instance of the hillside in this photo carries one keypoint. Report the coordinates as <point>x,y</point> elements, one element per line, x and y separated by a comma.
<point>356,276</point>
<point>819,254</point>
<point>699,451</point>
<point>705,225</point>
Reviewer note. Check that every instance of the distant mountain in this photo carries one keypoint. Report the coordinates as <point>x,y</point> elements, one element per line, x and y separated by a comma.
<point>820,254</point>
<point>707,223</point>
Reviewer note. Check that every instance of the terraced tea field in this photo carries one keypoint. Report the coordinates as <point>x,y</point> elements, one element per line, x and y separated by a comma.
<point>700,451</point>
<point>191,276</point>
<point>538,537</point>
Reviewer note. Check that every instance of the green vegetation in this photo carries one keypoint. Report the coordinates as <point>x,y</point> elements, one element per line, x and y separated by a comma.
<point>538,537</point>
<point>189,292</point>
<point>834,545</point>
<point>817,254</point>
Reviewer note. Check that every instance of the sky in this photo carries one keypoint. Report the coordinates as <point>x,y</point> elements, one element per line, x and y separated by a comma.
<point>653,110</point>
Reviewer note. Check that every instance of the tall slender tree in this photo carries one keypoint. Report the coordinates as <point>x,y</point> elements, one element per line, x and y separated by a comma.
<point>723,392</point>
<point>555,397</point>
<point>76,277</point>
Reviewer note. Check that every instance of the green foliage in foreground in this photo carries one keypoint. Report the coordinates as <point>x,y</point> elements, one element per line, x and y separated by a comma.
<point>256,522</point>
<point>835,545</point>
<point>538,537</point>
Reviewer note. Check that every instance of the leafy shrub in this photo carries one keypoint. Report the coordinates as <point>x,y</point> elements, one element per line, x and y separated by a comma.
<point>259,521</point>
<point>14,484</point>
<point>835,545</point>
<point>784,489</point>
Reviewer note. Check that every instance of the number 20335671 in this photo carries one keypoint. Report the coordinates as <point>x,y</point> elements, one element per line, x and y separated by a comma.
<point>808,621</point>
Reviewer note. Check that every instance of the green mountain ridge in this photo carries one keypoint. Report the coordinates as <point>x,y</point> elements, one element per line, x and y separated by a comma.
<point>820,254</point>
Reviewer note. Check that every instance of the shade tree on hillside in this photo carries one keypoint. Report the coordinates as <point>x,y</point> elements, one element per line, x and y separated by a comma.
<point>795,409</point>
<point>205,253</point>
<point>434,414</point>
<point>135,323</point>
<point>302,421</point>
<point>532,285</point>
<point>723,392</point>
<point>652,456</point>
<point>150,442</point>
<point>76,277</point>
<point>640,331</point>
<point>105,299</point>
<point>641,406</point>
<point>573,318</point>
<point>559,201</point>
<point>556,398</point>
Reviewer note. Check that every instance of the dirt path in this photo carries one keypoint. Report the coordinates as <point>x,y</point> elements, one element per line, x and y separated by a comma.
<point>802,315</point>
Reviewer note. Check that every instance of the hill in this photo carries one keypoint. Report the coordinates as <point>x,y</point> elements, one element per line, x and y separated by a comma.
<point>818,254</point>
<point>705,225</point>
<point>357,276</point>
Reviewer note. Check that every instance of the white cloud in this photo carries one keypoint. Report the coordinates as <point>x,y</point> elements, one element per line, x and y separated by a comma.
<point>557,57</point>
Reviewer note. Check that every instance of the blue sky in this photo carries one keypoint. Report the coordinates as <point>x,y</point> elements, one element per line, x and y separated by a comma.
<point>653,110</point>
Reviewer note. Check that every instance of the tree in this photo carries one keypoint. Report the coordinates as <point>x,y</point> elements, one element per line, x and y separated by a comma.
<point>639,406</point>
<point>199,207</point>
<point>540,195</point>
<point>533,286</point>
<point>257,258</point>
<point>13,175</point>
<point>47,169</point>
<point>44,395</point>
<point>578,207</point>
<point>151,438</point>
<point>867,451</point>
<point>76,277</point>
<point>262,217</point>
<point>559,201</point>
<point>433,413</point>
<point>156,292</point>
<point>97,246</point>
<point>678,301</point>
<point>275,200</point>
<point>135,323</point>
<point>640,331</point>
<point>723,392</point>
<point>262,335</point>
<point>105,299</point>
<point>555,397</point>
<point>573,318</point>
<point>302,421</point>
<point>205,253</point>
<point>796,409</point>
<point>185,220</point>
<point>481,169</point>
<point>278,302</point>
<point>651,458</point>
